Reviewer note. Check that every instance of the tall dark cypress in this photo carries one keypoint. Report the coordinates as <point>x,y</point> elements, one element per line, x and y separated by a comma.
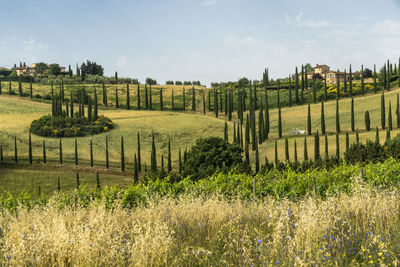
<point>347,141</point>
<point>345,81</point>
<point>377,136</point>
<point>383,115</point>
<point>352,115</point>
<point>19,87</point>
<point>266,116</point>
<point>30,148</point>
<point>128,101</point>
<point>317,154</point>
<point>77,180</point>
<point>350,81</point>
<point>146,97</point>
<point>169,167</point>
<point>302,84</point>
<point>104,95</point>
<point>323,128</point>
<point>305,150</point>
<point>161,100</point>
<point>122,154</point>
<point>107,158</point>
<point>135,171</point>
<point>138,96</point>
<point>150,99</point>
<point>209,100</point>
<point>389,76</point>
<point>387,135</point>
<point>215,102</point>
<point>338,85</point>
<point>96,109</point>
<point>257,167</point>
<point>326,147</point>
<point>357,137</point>
<point>91,153</point>
<point>297,86</point>
<point>180,162</point>
<point>226,102</point>
<point>193,99</point>
<point>279,123</point>
<point>287,158</point>
<point>337,146</point>
<point>76,151</point>
<point>295,151</point>
<point>247,130</point>
<point>44,152</point>
<point>204,103</point>
<point>138,153</point>
<point>367,121</point>
<point>89,109</point>
<point>390,121</point>
<point>362,80</point>
<point>276,154</point>
<point>60,152</point>
<point>153,155</point>
<point>290,92</point>
<point>309,120</point>
<point>337,117</point>
<point>255,97</point>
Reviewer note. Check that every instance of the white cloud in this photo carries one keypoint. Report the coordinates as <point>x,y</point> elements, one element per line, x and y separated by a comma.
<point>209,2</point>
<point>308,23</point>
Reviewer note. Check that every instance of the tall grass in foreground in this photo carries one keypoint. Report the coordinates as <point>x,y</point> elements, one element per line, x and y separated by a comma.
<point>343,230</point>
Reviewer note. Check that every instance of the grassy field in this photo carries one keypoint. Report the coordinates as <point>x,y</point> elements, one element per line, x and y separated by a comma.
<point>344,230</point>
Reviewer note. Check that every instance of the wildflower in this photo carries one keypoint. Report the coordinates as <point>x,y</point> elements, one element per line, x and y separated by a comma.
<point>90,244</point>
<point>259,241</point>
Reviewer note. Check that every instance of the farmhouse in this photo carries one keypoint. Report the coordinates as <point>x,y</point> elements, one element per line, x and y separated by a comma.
<point>332,77</point>
<point>30,70</point>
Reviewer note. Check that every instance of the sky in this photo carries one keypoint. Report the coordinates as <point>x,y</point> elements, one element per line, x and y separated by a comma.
<point>206,40</point>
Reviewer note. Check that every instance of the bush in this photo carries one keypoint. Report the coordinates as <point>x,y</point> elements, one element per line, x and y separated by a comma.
<point>392,147</point>
<point>365,153</point>
<point>212,154</point>
<point>49,126</point>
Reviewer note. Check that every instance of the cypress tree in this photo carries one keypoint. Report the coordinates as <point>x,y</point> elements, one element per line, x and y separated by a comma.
<point>305,149</point>
<point>287,150</point>
<point>309,120</point>
<point>135,171</point>
<point>247,154</point>
<point>116,97</point>
<point>89,109</point>
<point>388,73</point>
<point>122,154</point>
<point>104,95</point>
<point>384,78</point>
<point>255,97</point>
<point>215,102</point>
<point>337,117</point>
<point>326,147</point>
<point>375,89</point>
<point>345,82</point>
<point>290,92</point>
<point>347,141</point>
<point>266,117</point>
<point>351,82</point>
<point>377,136</point>
<point>325,89</point>
<point>387,135</point>
<point>247,130</point>
<point>297,86</point>
<point>107,159</point>
<point>241,135</point>
<point>352,115</point>
<point>91,153</point>
<point>150,99</point>
<point>72,105</point>
<point>98,181</point>
<point>367,121</point>
<point>390,121</point>
<point>295,151</point>
<point>146,96</point>
<point>193,99</point>
<point>138,153</point>
<point>323,128</point>
<point>305,78</point>
<point>230,106</point>
<point>383,115</point>
<point>19,87</point>
<point>398,109</point>
<point>138,96</point>
<point>337,146</point>
<point>128,102</point>
<point>58,185</point>
<point>96,110</point>
<point>77,180</point>
<point>180,162</point>
<point>279,123</point>
<point>226,132</point>
<point>226,102</point>
<point>234,133</point>
<point>276,154</point>
<point>362,80</point>
<point>169,157</point>
<point>76,151</point>
<point>209,100</point>
<point>338,85</point>
<point>257,160</point>
<point>161,100</point>
<point>153,155</point>
<point>314,91</point>
<point>44,152</point>
<point>317,154</point>
<point>60,152</point>
<point>30,148</point>
<point>357,137</point>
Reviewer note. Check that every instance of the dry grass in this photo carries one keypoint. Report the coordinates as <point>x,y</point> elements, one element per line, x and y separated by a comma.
<point>342,230</point>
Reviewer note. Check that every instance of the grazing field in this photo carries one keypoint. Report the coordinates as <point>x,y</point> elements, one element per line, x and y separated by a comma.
<point>343,230</point>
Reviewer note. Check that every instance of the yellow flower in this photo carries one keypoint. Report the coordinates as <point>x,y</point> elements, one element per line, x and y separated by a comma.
<point>105,128</point>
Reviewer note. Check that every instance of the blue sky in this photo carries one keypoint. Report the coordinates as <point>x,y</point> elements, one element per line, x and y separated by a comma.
<point>206,40</point>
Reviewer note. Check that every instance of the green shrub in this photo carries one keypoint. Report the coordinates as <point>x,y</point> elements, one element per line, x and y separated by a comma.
<point>392,147</point>
<point>49,126</point>
<point>365,153</point>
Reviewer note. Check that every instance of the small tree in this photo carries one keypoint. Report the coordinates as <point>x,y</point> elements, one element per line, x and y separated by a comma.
<point>367,121</point>
<point>122,155</point>
<point>352,115</point>
<point>309,120</point>
<point>383,115</point>
<point>323,128</point>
